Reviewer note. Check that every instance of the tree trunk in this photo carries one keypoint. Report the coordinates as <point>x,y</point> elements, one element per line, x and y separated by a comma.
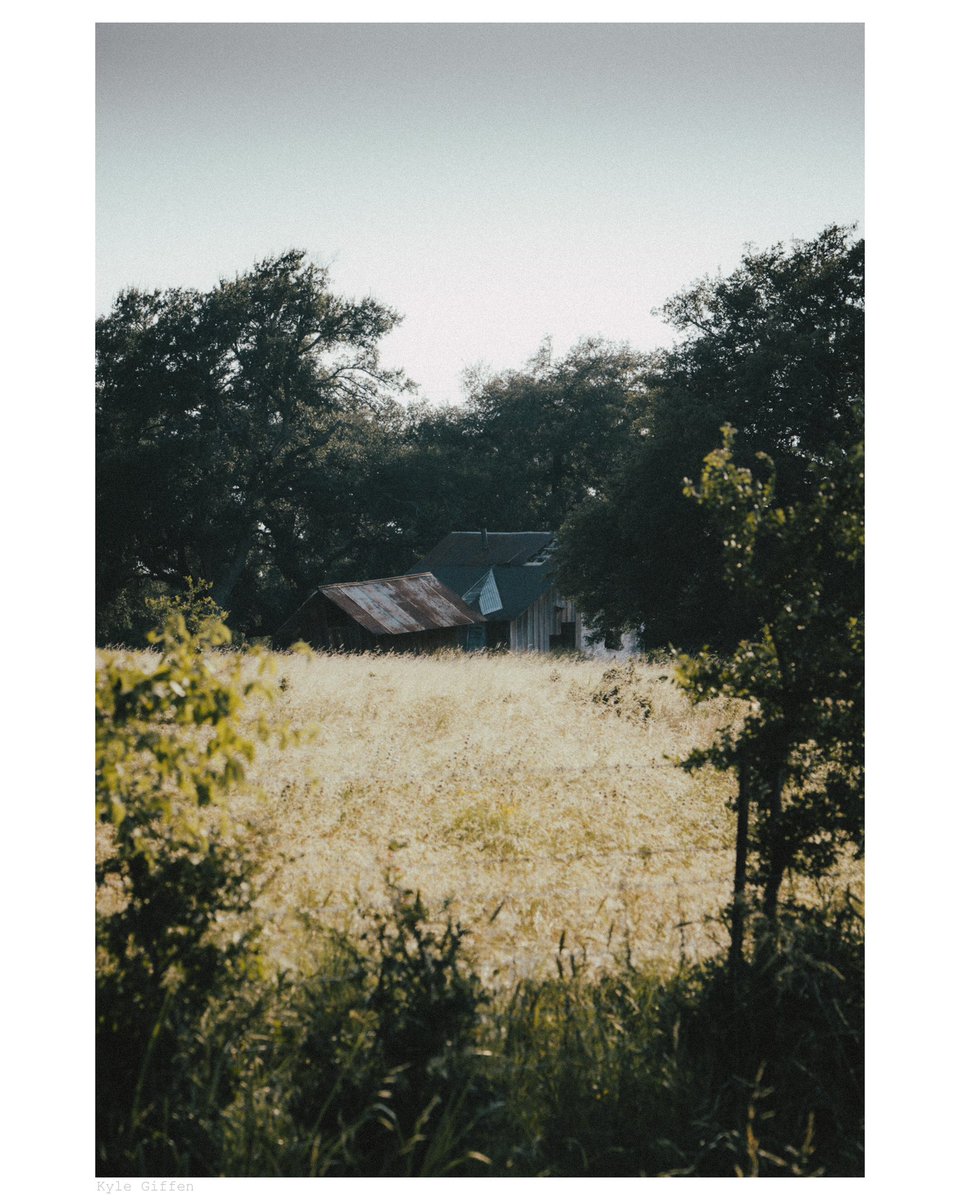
<point>777,858</point>
<point>738,914</point>
<point>223,588</point>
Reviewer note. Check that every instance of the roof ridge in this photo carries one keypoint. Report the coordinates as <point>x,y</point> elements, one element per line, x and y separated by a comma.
<point>378,579</point>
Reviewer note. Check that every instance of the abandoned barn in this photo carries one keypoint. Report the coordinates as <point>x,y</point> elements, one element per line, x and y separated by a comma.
<point>474,590</point>
<point>404,613</point>
<point>508,578</point>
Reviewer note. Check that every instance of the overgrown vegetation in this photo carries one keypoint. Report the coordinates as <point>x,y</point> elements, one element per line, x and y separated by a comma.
<point>799,752</point>
<point>175,883</point>
<point>381,1050</point>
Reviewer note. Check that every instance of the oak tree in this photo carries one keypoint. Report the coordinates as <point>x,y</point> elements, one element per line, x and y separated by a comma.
<point>232,425</point>
<point>774,349</point>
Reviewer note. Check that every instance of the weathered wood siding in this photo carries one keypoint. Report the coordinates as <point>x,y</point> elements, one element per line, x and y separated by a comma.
<point>543,620</point>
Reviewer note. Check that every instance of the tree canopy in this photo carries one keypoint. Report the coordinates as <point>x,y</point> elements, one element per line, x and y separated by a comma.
<point>545,435</point>
<point>234,430</point>
<point>776,350</point>
<point>799,749</point>
<point>249,435</point>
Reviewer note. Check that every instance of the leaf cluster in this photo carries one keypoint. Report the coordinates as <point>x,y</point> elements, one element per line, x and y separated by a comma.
<point>168,742</point>
<point>175,878</point>
<point>800,566</point>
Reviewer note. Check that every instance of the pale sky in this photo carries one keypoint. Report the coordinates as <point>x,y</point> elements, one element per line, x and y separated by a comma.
<point>494,183</point>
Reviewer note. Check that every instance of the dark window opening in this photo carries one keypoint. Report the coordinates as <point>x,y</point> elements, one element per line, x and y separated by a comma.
<point>566,639</point>
<point>498,635</point>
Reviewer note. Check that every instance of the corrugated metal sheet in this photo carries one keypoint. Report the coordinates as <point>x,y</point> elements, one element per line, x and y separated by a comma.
<point>484,593</point>
<point>489,596</point>
<point>402,604</point>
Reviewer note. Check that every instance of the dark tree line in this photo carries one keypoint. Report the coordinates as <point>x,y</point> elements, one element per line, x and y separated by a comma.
<point>774,350</point>
<point>232,428</point>
<point>248,435</point>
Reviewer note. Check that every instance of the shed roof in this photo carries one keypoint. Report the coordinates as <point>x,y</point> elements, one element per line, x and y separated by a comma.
<point>401,604</point>
<point>514,566</point>
<point>465,548</point>
<point>518,587</point>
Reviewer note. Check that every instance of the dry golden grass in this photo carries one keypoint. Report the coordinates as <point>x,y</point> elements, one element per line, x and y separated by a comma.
<point>504,785</point>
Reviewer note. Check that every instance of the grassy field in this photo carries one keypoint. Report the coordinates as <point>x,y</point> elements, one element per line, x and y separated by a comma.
<point>538,795</point>
<point>272,1001</point>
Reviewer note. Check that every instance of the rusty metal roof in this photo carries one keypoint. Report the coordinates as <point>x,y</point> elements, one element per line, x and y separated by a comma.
<point>401,604</point>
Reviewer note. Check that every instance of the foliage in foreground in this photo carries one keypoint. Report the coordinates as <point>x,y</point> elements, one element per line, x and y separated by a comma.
<point>175,883</point>
<point>799,753</point>
<point>695,1073</point>
<point>385,1055</point>
<point>389,1060</point>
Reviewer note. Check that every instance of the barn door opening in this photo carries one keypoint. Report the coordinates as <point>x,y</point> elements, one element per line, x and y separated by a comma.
<point>498,635</point>
<point>566,639</point>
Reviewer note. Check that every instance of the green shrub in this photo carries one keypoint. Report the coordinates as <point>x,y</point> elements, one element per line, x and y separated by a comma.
<point>774,1055</point>
<point>697,1073</point>
<point>174,884</point>
<point>198,608</point>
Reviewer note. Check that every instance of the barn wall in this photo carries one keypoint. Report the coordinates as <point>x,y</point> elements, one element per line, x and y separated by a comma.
<point>426,641</point>
<point>325,626</point>
<point>533,629</point>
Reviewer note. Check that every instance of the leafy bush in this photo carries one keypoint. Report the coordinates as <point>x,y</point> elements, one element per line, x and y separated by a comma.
<point>198,608</point>
<point>175,886</point>
<point>799,753</point>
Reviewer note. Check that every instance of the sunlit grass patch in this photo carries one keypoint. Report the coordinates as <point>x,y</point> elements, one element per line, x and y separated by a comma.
<point>544,789</point>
